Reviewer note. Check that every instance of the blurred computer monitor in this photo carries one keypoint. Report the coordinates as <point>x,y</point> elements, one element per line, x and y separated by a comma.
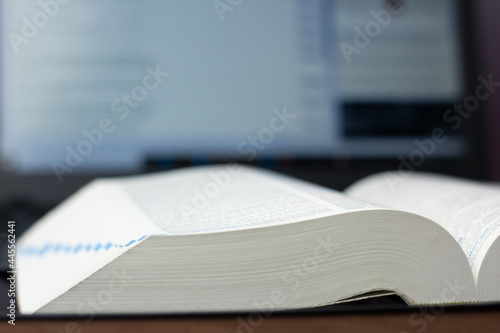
<point>97,87</point>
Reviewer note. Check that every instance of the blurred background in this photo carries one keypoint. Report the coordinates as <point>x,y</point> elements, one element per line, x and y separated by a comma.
<point>325,90</point>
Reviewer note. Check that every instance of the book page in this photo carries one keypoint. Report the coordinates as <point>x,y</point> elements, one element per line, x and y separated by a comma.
<point>229,197</point>
<point>470,211</point>
<point>87,231</point>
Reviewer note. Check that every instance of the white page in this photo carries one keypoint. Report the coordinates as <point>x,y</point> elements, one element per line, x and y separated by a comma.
<point>469,211</point>
<point>210,199</point>
<point>83,234</point>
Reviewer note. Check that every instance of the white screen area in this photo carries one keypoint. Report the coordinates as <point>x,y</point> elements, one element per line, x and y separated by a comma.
<point>85,83</point>
<point>233,72</point>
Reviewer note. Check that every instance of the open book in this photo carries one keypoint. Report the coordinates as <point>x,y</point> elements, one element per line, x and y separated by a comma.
<point>234,238</point>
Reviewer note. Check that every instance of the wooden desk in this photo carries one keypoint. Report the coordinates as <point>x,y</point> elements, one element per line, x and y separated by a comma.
<point>454,319</point>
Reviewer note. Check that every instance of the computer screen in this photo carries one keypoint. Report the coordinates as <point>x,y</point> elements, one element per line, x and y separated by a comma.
<point>107,85</point>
